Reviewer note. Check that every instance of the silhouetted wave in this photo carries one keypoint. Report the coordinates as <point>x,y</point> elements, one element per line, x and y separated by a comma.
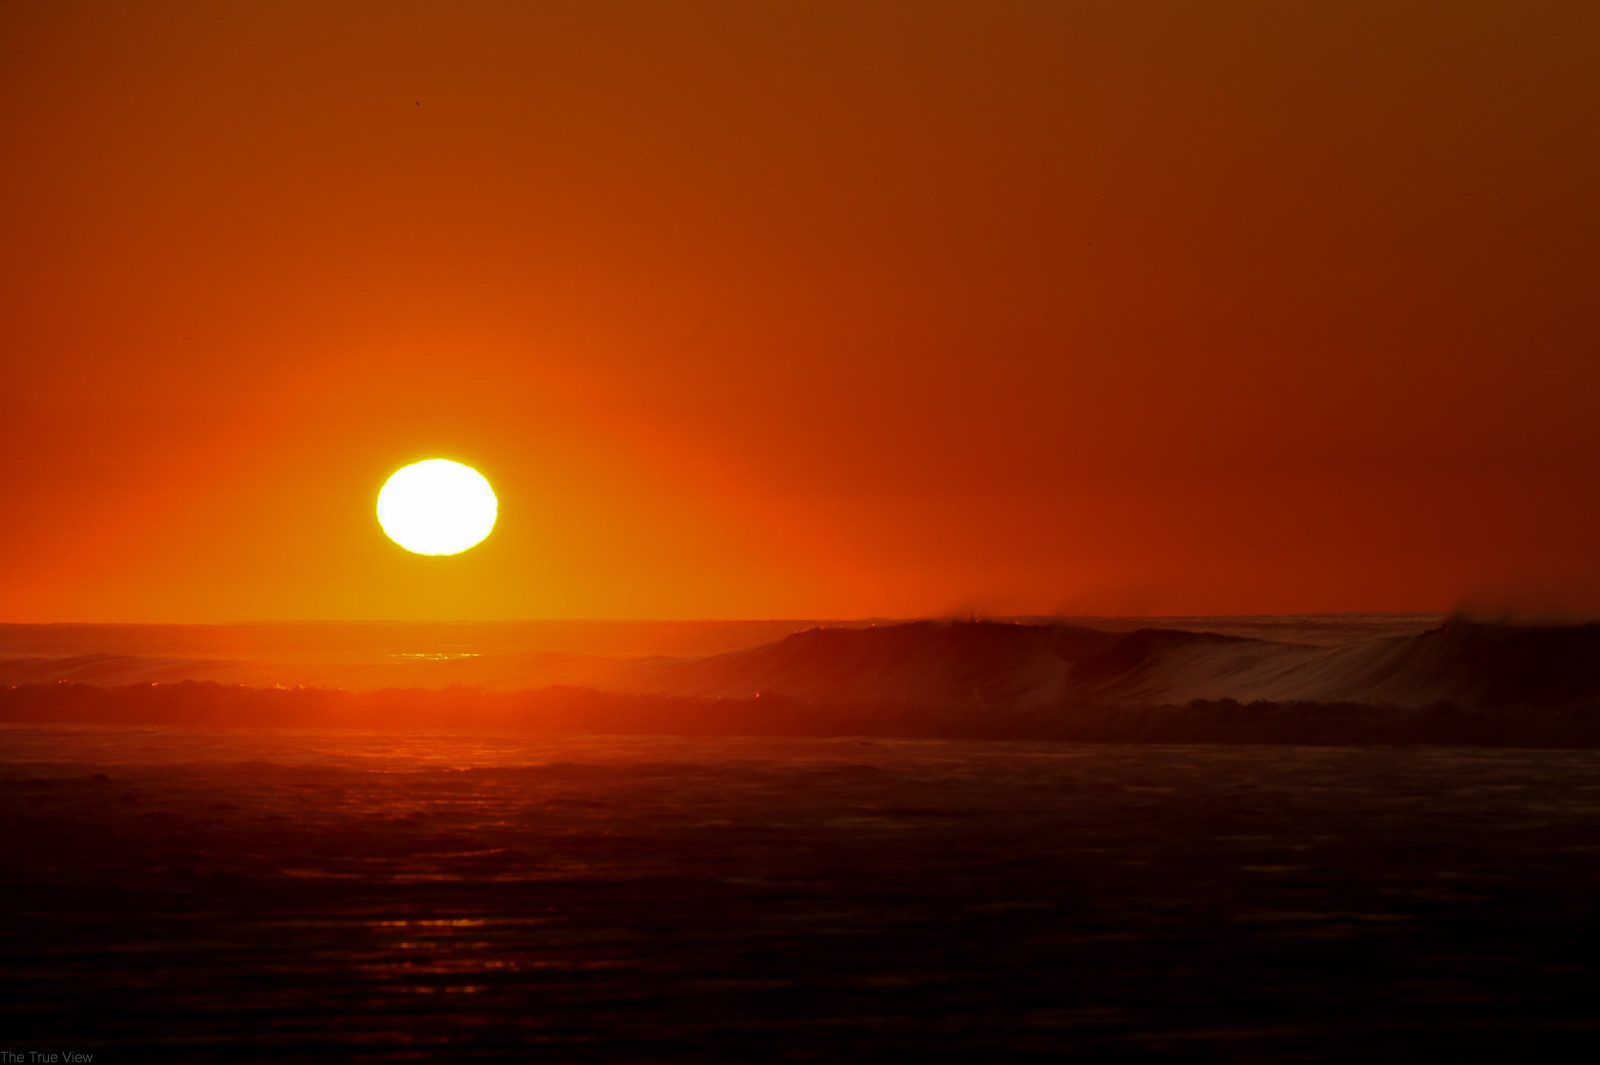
<point>1462,682</point>
<point>1018,666</point>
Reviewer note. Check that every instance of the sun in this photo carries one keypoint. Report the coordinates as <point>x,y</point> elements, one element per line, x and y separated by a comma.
<point>437,507</point>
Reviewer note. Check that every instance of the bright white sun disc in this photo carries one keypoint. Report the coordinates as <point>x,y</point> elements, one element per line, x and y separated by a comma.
<point>437,507</point>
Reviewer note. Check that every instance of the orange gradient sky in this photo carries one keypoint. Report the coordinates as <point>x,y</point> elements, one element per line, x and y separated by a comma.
<point>800,309</point>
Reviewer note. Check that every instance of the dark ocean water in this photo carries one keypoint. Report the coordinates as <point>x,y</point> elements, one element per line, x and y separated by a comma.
<point>181,895</point>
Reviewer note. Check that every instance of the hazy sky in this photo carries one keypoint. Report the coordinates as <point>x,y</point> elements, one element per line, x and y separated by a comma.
<point>800,309</point>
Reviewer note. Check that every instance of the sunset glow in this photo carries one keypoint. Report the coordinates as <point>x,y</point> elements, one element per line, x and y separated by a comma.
<point>829,310</point>
<point>1032,530</point>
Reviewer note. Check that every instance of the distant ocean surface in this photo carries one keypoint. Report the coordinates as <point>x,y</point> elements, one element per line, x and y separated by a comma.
<point>513,655</point>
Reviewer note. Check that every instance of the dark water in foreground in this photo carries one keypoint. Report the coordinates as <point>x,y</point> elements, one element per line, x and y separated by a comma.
<point>181,896</point>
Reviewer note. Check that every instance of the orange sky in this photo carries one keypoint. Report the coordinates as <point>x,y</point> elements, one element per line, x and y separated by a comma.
<point>800,309</point>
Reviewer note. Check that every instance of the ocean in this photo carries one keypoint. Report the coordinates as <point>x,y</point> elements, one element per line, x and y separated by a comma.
<point>299,895</point>
<point>337,876</point>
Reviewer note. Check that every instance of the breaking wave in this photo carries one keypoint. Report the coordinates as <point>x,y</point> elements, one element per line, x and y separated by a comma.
<point>1016,665</point>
